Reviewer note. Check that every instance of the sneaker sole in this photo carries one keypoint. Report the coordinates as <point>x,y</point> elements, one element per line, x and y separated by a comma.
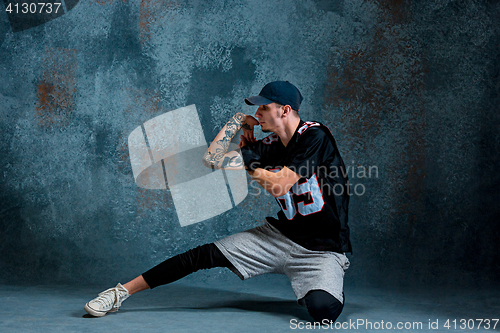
<point>96,313</point>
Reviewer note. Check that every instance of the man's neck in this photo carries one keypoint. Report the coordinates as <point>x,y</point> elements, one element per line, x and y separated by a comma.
<point>288,131</point>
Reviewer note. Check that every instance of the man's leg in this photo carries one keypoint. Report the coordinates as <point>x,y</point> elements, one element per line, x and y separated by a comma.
<point>201,257</point>
<point>321,305</point>
<point>136,285</point>
<point>179,266</point>
<point>317,279</point>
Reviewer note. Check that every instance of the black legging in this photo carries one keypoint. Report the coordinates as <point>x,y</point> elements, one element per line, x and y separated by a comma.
<point>181,265</point>
<point>320,304</point>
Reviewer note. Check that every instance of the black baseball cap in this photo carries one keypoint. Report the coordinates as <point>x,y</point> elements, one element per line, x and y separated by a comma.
<point>281,92</point>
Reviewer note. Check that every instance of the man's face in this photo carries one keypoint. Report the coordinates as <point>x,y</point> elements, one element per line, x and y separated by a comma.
<point>269,117</point>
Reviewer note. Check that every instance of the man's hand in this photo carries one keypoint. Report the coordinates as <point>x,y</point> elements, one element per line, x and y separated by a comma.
<point>243,141</point>
<point>248,129</point>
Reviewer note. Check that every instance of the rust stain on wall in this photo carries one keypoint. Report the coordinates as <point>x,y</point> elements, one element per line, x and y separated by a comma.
<point>56,88</point>
<point>148,200</point>
<point>143,101</point>
<point>152,11</point>
<point>378,89</point>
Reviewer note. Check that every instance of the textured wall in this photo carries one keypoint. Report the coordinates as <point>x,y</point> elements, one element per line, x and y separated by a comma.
<point>411,87</point>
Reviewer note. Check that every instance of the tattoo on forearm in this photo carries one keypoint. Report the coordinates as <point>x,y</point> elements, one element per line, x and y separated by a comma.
<point>211,158</point>
<point>235,161</point>
<point>214,160</point>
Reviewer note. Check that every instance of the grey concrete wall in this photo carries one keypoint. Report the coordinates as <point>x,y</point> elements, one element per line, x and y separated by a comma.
<point>408,87</point>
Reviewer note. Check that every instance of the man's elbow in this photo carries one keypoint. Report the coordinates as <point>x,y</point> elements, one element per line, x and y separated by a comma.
<point>209,163</point>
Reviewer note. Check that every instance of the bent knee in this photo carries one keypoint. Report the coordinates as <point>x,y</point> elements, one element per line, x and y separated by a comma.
<point>322,305</point>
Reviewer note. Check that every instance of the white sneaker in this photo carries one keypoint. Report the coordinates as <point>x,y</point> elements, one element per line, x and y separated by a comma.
<point>108,301</point>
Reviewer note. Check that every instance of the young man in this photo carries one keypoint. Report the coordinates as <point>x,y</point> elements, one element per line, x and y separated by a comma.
<point>300,165</point>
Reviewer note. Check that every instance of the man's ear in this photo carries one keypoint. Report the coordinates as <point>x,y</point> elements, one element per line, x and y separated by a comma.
<point>287,109</point>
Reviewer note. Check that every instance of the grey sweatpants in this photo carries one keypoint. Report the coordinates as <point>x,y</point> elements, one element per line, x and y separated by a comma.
<point>264,250</point>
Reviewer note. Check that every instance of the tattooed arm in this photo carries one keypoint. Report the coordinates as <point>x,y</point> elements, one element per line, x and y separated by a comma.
<point>217,156</point>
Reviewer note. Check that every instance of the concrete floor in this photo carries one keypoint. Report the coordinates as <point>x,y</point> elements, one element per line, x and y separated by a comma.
<point>262,304</point>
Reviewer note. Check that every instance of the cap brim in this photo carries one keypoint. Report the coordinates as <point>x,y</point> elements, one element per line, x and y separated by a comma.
<point>257,100</point>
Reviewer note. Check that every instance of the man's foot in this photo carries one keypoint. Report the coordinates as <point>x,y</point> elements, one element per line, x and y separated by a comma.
<point>108,301</point>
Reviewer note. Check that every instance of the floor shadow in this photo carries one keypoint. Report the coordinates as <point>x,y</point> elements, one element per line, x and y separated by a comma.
<point>185,298</point>
<point>87,316</point>
<point>182,298</point>
<point>278,307</point>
